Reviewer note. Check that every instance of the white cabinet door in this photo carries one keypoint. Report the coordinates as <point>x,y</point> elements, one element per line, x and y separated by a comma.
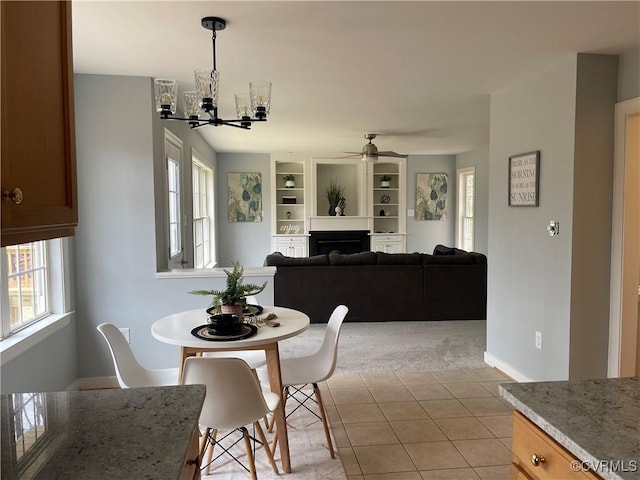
<point>290,246</point>
<point>388,243</point>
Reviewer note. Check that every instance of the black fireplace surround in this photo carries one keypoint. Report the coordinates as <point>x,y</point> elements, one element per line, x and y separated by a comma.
<point>338,241</point>
<point>451,284</point>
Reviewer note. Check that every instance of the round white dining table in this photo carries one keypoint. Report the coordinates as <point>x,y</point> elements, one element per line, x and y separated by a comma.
<point>175,329</point>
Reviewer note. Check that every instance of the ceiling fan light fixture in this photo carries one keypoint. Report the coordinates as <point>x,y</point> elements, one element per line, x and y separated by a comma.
<point>252,108</point>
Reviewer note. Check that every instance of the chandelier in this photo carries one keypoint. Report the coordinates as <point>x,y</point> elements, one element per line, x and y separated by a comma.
<point>204,100</point>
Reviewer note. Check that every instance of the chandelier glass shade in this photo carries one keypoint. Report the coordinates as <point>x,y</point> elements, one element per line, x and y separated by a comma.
<point>201,106</point>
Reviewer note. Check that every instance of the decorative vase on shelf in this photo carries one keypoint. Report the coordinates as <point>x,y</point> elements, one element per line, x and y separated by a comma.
<point>332,210</point>
<point>289,181</point>
<point>338,211</point>
<point>342,206</point>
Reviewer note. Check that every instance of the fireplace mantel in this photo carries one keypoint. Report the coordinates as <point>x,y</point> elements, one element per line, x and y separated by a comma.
<point>339,223</point>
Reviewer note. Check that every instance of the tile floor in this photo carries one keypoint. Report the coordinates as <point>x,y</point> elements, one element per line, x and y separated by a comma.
<point>439,425</point>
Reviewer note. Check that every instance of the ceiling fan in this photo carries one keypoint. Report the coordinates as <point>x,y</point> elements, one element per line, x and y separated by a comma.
<point>370,152</point>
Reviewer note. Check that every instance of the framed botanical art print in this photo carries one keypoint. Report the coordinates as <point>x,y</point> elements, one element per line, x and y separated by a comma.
<point>431,196</point>
<point>244,192</point>
<point>524,179</point>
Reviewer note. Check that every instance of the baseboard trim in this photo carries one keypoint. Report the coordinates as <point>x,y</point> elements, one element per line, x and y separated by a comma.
<point>506,368</point>
<point>95,383</point>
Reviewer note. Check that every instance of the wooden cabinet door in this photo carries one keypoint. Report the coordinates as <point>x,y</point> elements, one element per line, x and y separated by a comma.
<point>38,137</point>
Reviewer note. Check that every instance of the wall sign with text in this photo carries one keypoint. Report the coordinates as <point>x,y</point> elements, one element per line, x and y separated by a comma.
<point>524,179</point>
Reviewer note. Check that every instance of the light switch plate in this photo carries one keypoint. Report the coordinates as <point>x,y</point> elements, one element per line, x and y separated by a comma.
<point>410,212</point>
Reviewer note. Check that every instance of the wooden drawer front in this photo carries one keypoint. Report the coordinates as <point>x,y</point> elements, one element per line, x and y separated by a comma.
<point>528,440</point>
<point>518,474</point>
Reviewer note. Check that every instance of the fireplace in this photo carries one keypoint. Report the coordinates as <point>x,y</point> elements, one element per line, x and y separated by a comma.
<point>342,241</point>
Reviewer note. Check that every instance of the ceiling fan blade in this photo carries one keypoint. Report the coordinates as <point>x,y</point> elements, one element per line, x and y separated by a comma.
<point>351,155</point>
<point>391,154</point>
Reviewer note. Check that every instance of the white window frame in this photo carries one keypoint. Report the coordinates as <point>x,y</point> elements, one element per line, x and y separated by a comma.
<point>462,216</point>
<point>39,272</point>
<point>59,313</point>
<point>206,222</point>
<point>175,252</point>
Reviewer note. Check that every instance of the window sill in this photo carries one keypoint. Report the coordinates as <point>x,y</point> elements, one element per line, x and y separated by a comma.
<point>215,272</point>
<point>21,341</point>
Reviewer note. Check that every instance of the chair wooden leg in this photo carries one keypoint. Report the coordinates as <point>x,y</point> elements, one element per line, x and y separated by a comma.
<point>272,421</point>
<point>323,415</point>
<point>203,441</point>
<point>214,434</point>
<point>250,459</point>
<point>274,442</point>
<point>267,450</point>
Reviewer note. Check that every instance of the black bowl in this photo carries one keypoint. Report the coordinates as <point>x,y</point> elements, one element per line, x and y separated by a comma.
<point>225,323</point>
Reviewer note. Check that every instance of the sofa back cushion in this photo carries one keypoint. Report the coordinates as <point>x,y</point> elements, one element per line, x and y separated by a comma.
<point>398,258</point>
<point>362,258</point>
<point>458,259</point>
<point>277,259</point>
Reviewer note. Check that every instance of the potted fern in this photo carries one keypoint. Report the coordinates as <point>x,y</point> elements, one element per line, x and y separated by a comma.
<point>233,298</point>
<point>385,181</point>
<point>335,193</point>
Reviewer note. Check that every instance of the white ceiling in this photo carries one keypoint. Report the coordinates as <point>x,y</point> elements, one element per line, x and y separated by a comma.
<point>419,72</point>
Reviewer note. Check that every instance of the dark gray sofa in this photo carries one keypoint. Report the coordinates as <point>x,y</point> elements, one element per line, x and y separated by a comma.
<point>449,285</point>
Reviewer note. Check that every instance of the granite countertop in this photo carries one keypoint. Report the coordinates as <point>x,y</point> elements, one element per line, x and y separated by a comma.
<point>101,434</point>
<point>598,421</point>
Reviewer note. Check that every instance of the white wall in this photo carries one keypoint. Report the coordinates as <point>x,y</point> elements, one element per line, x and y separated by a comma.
<point>531,275</point>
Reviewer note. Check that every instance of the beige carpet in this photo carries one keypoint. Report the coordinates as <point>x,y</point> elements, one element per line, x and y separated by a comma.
<point>310,458</point>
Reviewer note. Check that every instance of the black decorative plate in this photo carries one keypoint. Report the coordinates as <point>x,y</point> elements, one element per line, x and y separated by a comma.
<point>252,309</point>
<point>206,332</point>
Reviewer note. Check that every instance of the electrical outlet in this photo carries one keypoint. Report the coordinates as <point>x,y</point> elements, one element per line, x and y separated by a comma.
<point>125,332</point>
<point>539,340</point>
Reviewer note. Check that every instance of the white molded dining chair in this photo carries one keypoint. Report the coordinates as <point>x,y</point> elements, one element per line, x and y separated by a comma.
<point>129,372</point>
<point>233,400</point>
<point>297,372</point>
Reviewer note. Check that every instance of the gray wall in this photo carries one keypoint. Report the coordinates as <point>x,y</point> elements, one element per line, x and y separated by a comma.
<point>247,242</point>
<point>191,140</point>
<point>116,269</point>
<point>50,366</point>
<point>480,160</point>
<point>423,235</point>
<point>538,282</point>
<point>592,207</point>
<point>629,74</point>
<point>529,272</point>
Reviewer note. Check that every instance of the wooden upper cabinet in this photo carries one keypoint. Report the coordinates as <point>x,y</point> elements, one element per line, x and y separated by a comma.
<point>38,132</point>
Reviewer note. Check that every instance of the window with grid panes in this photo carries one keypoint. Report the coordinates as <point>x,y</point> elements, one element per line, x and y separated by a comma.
<point>466,182</point>
<point>203,222</point>
<point>26,285</point>
<point>173,176</point>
